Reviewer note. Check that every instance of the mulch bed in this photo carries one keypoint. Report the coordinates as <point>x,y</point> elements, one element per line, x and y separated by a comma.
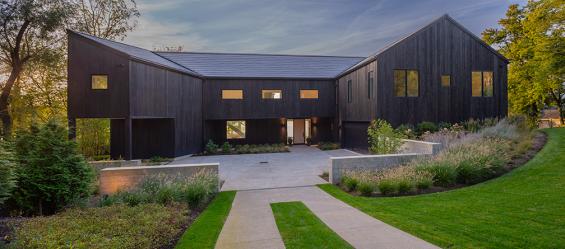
<point>538,141</point>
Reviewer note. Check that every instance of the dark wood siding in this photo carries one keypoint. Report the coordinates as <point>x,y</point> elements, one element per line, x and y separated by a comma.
<point>441,48</point>
<point>252,106</point>
<point>161,93</point>
<point>84,59</point>
<point>361,107</point>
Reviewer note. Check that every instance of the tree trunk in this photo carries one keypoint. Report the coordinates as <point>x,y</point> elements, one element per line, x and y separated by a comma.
<point>561,114</point>
<point>5,102</point>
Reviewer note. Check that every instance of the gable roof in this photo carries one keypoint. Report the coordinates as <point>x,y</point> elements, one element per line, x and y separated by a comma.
<point>373,57</point>
<point>229,65</point>
<point>136,53</point>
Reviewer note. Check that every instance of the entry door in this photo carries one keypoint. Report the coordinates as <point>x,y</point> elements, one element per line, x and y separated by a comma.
<point>298,131</point>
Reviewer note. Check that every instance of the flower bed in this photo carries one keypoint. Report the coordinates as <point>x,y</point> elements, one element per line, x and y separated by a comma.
<point>469,158</point>
<point>229,149</point>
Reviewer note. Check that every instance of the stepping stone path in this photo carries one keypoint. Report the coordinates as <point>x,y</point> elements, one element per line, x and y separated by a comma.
<point>251,223</point>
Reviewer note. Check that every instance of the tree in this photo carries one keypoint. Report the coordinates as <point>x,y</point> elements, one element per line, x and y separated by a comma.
<point>51,172</point>
<point>110,19</point>
<point>7,167</point>
<point>532,38</point>
<point>28,29</point>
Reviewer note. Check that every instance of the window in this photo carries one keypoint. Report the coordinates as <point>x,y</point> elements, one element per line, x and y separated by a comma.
<point>446,80</point>
<point>370,81</point>
<point>349,91</point>
<point>235,129</point>
<point>232,94</point>
<point>99,82</point>
<point>271,94</point>
<point>482,84</point>
<point>406,83</point>
<point>308,94</point>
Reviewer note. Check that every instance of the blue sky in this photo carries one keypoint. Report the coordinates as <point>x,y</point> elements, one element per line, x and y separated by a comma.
<point>322,27</point>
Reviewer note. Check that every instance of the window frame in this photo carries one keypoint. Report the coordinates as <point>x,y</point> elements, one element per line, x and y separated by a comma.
<point>92,82</point>
<point>482,77</point>
<point>263,96</point>
<point>222,94</point>
<point>300,94</point>
<point>405,83</point>
<point>244,129</point>
<point>349,91</point>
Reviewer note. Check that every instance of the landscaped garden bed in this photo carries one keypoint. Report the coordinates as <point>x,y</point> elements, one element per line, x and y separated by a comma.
<point>469,156</point>
<point>229,149</point>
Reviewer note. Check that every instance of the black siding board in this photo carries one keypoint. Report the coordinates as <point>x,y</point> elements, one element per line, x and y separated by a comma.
<point>252,106</point>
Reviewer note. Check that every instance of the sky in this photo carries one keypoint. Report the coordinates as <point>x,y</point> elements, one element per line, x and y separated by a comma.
<point>314,27</point>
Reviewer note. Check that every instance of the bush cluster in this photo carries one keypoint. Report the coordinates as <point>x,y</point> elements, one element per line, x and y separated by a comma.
<point>195,190</point>
<point>383,139</point>
<point>470,158</point>
<point>213,149</point>
<point>50,173</point>
<point>118,226</point>
<point>7,171</point>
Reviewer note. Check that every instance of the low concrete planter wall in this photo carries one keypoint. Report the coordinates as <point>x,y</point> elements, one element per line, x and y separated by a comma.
<point>99,165</point>
<point>410,150</point>
<point>124,178</point>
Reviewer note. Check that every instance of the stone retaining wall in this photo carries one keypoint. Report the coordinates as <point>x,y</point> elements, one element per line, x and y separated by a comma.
<point>124,178</point>
<point>410,150</point>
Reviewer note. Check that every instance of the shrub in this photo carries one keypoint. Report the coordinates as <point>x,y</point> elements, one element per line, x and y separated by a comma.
<point>382,138</point>
<point>118,226</point>
<point>442,174</point>
<point>54,173</point>
<point>349,183</point>
<point>226,148</point>
<point>407,130</point>
<point>444,125</point>
<point>426,126</point>
<point>365,188</point>
<point>404,185</point>
<point>472,125</point>
<point>7,171</point>
<point>211,147</point>
<point>387,187</point>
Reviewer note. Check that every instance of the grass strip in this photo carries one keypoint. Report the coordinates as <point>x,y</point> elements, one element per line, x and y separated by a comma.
<point>300,228</point>
<point>204,232</point>
<point>522,209</point>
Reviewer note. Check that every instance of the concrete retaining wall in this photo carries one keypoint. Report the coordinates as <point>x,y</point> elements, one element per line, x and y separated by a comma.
<point>410,150</point>
<point>124,178</point>
<point>99,165</point>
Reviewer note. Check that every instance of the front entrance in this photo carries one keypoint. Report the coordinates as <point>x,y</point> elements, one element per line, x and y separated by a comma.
<point>298,130</point>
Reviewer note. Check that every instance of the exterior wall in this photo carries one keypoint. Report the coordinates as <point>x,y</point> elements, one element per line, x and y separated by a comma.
<point>441,48</point>
<point>161,93</point>
<point>361,107</point>
<point>260,131</point>
<point>252,106</point>
<point>85,58</point>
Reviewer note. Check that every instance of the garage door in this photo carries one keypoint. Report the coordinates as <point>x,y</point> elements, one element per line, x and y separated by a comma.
<point>355,135</point>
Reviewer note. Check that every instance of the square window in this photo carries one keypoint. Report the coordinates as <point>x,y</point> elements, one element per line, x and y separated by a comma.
<point>99,82</point>
<point>446,80</point>
<point>235,129</point>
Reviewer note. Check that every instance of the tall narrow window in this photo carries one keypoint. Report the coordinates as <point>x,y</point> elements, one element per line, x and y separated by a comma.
<point>308,94</point>
<point>406,83</point>
<point>232,94</point>
<point>370,83</point>
<point>235,129</point>
<point>482,84</point>
<point>446,80</point>
<point>271,94</point>
<point>349,91</point>
<point>99,82</point>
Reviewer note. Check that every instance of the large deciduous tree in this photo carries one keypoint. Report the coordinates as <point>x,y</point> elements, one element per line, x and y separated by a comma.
<point>28,30</point>
<point>532,38</point>
<point>110,19</point>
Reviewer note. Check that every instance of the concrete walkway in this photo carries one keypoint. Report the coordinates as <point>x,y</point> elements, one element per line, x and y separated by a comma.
<point>300,167</point>
<point>251,223</point>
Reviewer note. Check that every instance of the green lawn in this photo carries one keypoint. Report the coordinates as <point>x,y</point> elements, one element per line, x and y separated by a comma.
<point>300,228</point>
<point>204,232</point>
<point>522,209</point>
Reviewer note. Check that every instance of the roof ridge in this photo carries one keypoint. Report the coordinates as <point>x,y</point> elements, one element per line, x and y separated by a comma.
<point>294,55</point>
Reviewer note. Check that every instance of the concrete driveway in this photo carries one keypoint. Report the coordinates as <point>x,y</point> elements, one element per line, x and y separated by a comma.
<point>299,167</point>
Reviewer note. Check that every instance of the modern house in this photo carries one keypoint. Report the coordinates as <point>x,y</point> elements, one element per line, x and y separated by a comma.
<point>171,103</point>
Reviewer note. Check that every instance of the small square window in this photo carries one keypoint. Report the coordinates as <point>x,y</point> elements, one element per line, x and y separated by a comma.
<point>99,82</point>
<point>446,80</point>
<point>235,129</point>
